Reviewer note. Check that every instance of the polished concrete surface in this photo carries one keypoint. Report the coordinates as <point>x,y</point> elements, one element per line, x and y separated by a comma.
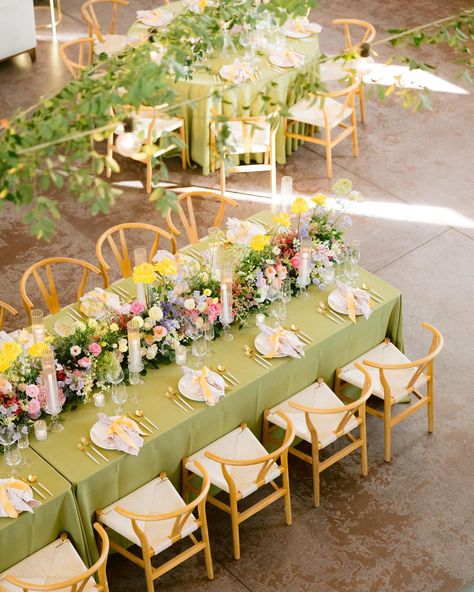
<point>408,526</point>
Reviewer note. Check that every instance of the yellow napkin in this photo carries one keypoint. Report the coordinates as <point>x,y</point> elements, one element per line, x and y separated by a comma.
<point>351,309</point>
<point>117,429</point>
<point>4,500</point>
<point>275,341</point>
<point>201,379</point>
<point>299,26</point>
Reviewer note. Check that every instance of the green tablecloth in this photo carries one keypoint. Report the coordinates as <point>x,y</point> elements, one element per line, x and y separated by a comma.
<point>241,101</point>
<point>182,433</point>
<point>22,536</point>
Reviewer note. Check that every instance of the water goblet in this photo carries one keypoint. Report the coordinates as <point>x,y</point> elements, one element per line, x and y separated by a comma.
<point>354,257</point>
<point>119,397</point>
<point>199,350</point>
<point>209,334</point>
<point>8,438</point>
<point>278,311</point>
<point>115,376</point>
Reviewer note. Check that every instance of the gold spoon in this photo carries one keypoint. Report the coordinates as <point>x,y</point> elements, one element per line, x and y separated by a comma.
<point>82,448</point>
<point>140,413</point>
<point>222,370</point>
<point>296,329</point>
<point>373,294</point>
<point>35,489</point>
<point>142,425</point>
<point>249,353</point>
<point>170,397</point>
<point>34,479</point>
<point>330,311</point>
<point>328,316</point>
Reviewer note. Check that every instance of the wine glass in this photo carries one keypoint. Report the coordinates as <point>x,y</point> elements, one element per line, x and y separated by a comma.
<point>114,376</point>
<point>329,275</point>
<point>354,258</point>
<point>8,437</point>
<point>209,334</point>
<point>278,310</point>
<point>199,350</point>
<point>119,397</point>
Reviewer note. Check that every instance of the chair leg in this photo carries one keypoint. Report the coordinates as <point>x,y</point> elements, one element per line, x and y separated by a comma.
<point>430,390</point>
<point>315,465</point>
<point>362,103</point>
<point>327,133</point>
<point>222,173</point>
<point>182,133</point>
<point>387,427</point>
<point>265,428</point>
<point>234,518</point>
<point>286,485</point>
<point>149,173</point>
<point>205,538</point>
<point>148,571</point>
<point>184,480</point>
<point>337,382</point>
<point>363,451</point>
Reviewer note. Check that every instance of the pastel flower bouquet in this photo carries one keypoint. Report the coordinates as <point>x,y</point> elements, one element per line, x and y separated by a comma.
<point>181,295</point>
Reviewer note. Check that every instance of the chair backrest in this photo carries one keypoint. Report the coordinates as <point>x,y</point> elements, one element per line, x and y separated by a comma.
<point>78,582</point>
<point>259,129</point>
<point>266,460</point>
<point>180,516</point>
<point>50,293</point>
<point>185,211</point>
<point>88,11</point>
<point>422,364</point>
<point>4,308</point>
<point>121,251</point>
<point>366,29</point>
<point>347,94</point>
<point>77,55</point>
<point>346,411</point>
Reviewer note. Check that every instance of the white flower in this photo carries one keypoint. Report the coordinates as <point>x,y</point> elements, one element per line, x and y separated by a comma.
<point>121,91</point>
<point>139,320</point>
<point>199,322</point>
<point>75,350</point>
<point>80,325</point>
<point>157,56</point>
<point>202,306</point>
<point>205,276</point>
<point>189,304</point>
<point>151,352</point>
<point>148,324</point>
<point>92,323</point>
<point>123,345</point>
<point>276,250</point>
<point>155,313</point>
<point>143,351</point>
<point>356,196</point>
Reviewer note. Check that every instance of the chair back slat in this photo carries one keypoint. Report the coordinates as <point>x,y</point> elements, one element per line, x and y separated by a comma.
<point>5,307</point>
<point>366,29</point>
<point>89,14</point>
<point>77,55</point>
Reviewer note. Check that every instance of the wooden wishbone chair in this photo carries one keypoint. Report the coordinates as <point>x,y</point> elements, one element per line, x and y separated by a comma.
<point>321,418</point>
<point>121,251</point>
<point>324,111</point>
<point>62,554</point>
<point>244,467</point>
<point>185,211</point>
<point>368,35</point>
<point>4,308</point>
<point>50,293</point>
<point>394,378</point>
<point>170,520</point>
<point>95,29</point>
<point>77,55</point>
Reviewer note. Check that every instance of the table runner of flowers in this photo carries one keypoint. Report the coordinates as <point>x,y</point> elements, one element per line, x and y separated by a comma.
<point>182,293</point>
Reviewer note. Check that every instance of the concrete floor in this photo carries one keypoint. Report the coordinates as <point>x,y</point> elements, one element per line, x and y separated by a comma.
<point>408,526</point>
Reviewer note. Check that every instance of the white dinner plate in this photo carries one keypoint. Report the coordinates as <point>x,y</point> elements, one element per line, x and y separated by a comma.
<point>295,33</point>
<point>283,60</point>
<point>261,345</point>
<point>338,303</point>
<point>98,434</point>
<point>231,74</point>
<point>191,390</point>
<point>156,18</point>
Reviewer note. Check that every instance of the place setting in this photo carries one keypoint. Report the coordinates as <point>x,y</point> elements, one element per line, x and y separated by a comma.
<point>300,28</point>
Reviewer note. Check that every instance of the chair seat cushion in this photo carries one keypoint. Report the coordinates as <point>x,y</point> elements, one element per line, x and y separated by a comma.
<point>57,562</point>
<point>162,125</point>
<point>156,497</point>
<point>318,396</point>
<point>384,353</point>
<point>245,138</point>
<point>111,44</point>
<point>238,444</point>
<point>310,111</point>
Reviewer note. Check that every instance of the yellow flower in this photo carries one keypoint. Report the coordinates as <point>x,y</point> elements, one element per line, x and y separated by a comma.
<point>319,199</point>
<point>342,186</point>
<point>282,219</point>
<point>166,266</point>
<point>144,274</point>
<point>37,349</point>
<point>299,206</point>
<point>114,327</point>
<point>259,242</point>
<point>207,292</point>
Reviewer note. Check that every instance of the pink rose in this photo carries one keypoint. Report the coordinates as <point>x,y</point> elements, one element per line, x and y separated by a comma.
<point>32,390</point>
<point>160,332</point>
<point>136,308</point>
<point>94,349</point>
<point>84,362</point>
<point>270,272</point>
<point>213,312</point>
<point>295,261</point>
<point>149,339</point>
<point>5,386</point>
<point>34,408</point>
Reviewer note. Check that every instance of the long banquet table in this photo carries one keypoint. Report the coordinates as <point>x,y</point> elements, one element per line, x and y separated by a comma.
<point>209,93</point>
<point>181,434</point>
<point>22,536</point>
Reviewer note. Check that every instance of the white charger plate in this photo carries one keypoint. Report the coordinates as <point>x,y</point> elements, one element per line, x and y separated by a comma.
<point>227,72</point>
<point>187,386</point>
<point>278,58</point>
<point>338,303</point>
<point>98,434</point>
<point>261,345</point>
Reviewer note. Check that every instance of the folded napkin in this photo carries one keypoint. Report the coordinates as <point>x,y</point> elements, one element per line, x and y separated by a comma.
<point>242,231</point>
<point>301,25</point>
<point>95,303</point>
<point>122,433</point>
<point>357,301</point>
<point>15,497</point>
<point>154,18</point>
<point>287,58</point>
<point>208,384</point>
<point>237,72</point>
<point>279,341</point>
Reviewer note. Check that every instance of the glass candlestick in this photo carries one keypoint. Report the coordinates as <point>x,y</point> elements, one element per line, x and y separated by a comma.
<point>53,405</point>
<point>37,325</point>
<point>139,257</point>
<point>304,269</point>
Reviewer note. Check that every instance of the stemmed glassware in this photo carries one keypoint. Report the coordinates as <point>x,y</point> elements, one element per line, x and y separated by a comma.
<point>278,311</point>
<point>115,376</point>
<point>209,334</point>
<point>354,258</point>
<point>8,438</point>
<point>199,350</point>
